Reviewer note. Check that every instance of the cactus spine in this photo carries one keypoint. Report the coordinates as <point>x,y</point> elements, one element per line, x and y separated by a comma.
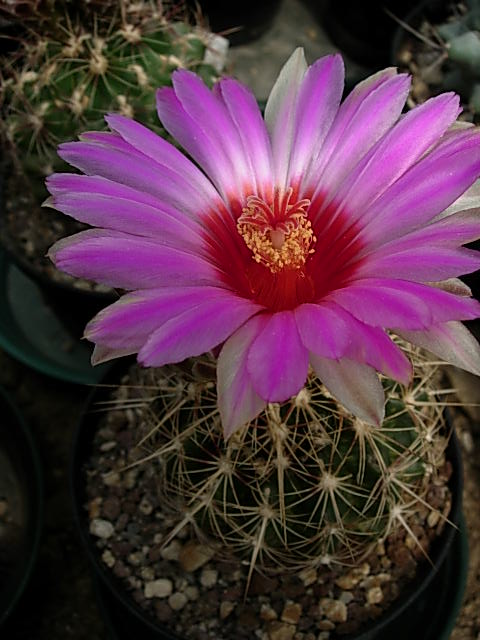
<point>304,484</point>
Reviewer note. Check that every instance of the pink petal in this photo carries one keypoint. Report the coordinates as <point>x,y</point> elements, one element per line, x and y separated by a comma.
<point>317,105</point>
<point>425,190</point>
<point>162,152</point>
<point>365,116</point>
<point>329,331</point>
<point>211,116</point>
<point>402,304</point>
<point>427,263</point>
<point>209,154</point>
<point>96,202</point>
<point>129,262</point>
<point>452,342</point>
<point>238,401</point>
<point>322,330</point>
<point>280,112</point>
<point>355,385</point>
<point>245,113</point>
<point>129,322</point>
<point>397,151</point>
<point>196,330</point>
<point>278,361</point>
<point>138,172</point>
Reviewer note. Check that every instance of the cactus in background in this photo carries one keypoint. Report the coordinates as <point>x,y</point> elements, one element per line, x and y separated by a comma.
<point>303,484</point>
<point>447,54</point>
<point>461,35</point>
<point>86,62</point>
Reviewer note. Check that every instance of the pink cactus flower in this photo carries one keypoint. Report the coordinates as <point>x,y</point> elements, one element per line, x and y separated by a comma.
<point>292,241</point>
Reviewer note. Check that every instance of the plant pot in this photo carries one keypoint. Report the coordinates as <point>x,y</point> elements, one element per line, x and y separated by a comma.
<point>362,30</point>
<point>71,302</point>
<point>241,22</point>
<point>21,500</point>
<point>414,612</point>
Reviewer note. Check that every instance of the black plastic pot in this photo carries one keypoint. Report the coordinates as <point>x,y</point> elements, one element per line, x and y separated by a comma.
<point>241,22</point>
<point>427,610</point>
<point>362,30</point>
<point>21,485</point>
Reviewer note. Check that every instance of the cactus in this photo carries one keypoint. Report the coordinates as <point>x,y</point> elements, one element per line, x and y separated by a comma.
<point>82,62</point>
<point>66,77</point>
<point>450,51</point>
<point>305,483</point>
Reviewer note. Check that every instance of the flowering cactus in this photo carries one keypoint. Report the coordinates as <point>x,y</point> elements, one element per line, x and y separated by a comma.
<point>300,240</point>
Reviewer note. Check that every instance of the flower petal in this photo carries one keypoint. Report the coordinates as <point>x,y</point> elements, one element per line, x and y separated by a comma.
<point>402,304</point>
<point>209,154</point>
<point>427,188</point>
<point>238,401</point>
<point>397,151</point>
<point>129,262</point>
<point>355,385</point>
<point>278,361</point>
<point>129,322</point>
<point>322,330</point>
<point>427,263</point>
<point>317,105</point>
<point>162,152</point>
<point>280,112</point>
<point>102,203</point>
<point>102,353</point>
<point>139,172</point>
<point>365,116</point>
<point>245,113</point>
<point>197,330</point>
<point>451,341</point>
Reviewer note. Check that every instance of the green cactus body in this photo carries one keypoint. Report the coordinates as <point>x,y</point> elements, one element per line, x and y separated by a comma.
<point>74,72</point>
<point>304,483</point>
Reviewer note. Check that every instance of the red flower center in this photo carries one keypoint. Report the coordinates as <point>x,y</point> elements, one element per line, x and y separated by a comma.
<point>284,253</point>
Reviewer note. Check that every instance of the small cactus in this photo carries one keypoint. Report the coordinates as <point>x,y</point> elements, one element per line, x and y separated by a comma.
<point>305,483</point>
<point>452,54</point>
<point>67,76</point>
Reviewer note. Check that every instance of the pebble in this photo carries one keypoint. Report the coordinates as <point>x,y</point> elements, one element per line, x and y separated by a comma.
<point>111,508</point>
<point>291,612</point>
<point>281,631</point>
<point>268,613</point>
<point>226,608</point>
<point>208,578</point>
<point>192,592</point>
<point>145,506</point>
<point>374,595</point>
<point>160,588</point>
<point>177,601</point>
<point>308,576</point>
<point>334,610</point>
<point>108,558</point>
<point>353,577</point>
<point>101,528</point>
<point>193,556</point>
<point>171,551</point>
<point>112,479</point>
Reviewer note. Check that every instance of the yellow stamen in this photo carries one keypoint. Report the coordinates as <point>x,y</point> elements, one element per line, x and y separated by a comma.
<point>279,234</point>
